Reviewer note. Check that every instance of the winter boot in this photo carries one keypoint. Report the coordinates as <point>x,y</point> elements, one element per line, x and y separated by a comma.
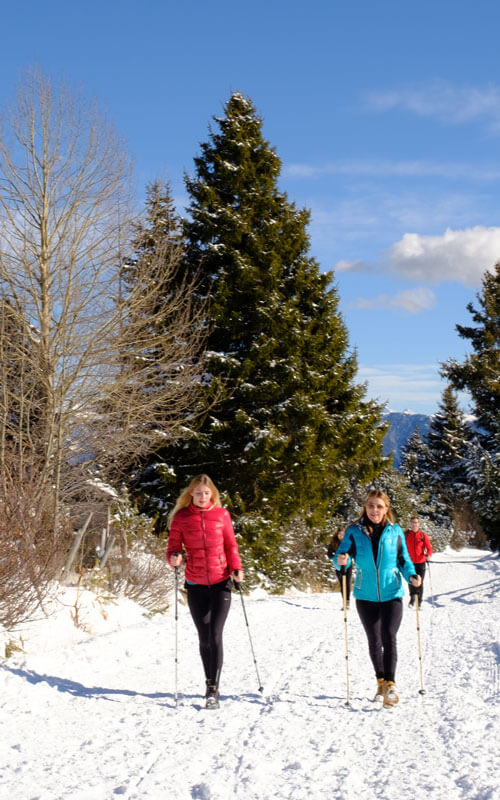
<point>211,696</point>
<point>390,694</point>
<point>379,694</point>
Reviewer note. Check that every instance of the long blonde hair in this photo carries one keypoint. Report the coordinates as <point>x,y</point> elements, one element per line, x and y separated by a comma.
<point>381,496</point>
<point>185,498</point>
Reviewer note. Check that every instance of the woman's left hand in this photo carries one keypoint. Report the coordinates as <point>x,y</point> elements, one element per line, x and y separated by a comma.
<point>415,580</point>
<point>237,575</point>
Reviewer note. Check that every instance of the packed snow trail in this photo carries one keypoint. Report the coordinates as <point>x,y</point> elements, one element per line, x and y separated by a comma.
<point>96,720</point>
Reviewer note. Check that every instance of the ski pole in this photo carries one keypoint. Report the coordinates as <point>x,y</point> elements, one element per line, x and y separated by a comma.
<point>421,690</point>
<point>176,587</point>
<point>344,601</point>
<point>238,586</point>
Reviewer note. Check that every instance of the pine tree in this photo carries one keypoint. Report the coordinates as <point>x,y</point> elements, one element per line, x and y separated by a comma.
<point>447,442</point>
<point>415,462</point>
<point>285,427</point>
<point>479,374</point>
<point>447,446</point>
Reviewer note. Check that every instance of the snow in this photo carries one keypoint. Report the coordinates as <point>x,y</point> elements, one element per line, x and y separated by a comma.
<point>94,718</point>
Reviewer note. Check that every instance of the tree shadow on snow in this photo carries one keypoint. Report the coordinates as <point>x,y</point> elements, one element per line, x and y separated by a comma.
<point>466,594</point>
<point>481,563</point>
<point>78,689</point>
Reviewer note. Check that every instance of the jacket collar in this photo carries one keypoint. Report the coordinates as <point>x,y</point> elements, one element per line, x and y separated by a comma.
<point>365,530</point>
<point>194,508</point>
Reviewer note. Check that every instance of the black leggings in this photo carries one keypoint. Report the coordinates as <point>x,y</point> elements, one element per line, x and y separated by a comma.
<point>381,622</point>
<point>209,607</point>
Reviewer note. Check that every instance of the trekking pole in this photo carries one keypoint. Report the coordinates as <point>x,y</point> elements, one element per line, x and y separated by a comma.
<point>421,690</point>
<point>176,661</point>
<point>430,581</point>
<point>344,601</point>
<point>238,586</point>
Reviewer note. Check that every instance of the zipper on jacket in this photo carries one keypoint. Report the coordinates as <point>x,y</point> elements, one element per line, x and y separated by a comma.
<point>379,559</point>
<point>205,544</point>
<point>375,560</point>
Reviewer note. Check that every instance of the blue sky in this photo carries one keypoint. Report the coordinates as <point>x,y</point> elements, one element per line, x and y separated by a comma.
<point>386,116</point>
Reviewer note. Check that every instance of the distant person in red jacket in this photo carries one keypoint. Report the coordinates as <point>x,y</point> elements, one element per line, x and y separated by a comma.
<point>420,551</point>
<point>201,528</point>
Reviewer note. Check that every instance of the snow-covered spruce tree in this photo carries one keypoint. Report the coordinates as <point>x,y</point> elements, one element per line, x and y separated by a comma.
<point>283,424</point>
<point>416,466</point>
<point>483,475</point>
<point>447,442</point>
<point>415,463</point>
<point>479,375</point>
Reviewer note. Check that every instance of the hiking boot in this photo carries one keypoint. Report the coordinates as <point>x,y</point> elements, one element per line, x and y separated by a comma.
<point>390,694</point>
<point>211,696</point>
<point>379,694</point>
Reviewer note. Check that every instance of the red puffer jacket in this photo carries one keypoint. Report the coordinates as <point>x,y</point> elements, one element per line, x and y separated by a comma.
<point>419,546</point>
<point>208,538</point>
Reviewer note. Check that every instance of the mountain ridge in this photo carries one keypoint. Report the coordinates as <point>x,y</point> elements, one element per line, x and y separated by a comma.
<point>402,425</point>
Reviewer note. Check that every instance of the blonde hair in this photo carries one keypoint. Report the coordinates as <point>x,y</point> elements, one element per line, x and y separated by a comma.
<point>185,497</point>
<point>381,496</point>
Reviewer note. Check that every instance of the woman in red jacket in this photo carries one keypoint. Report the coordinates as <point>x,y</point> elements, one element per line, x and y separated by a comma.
<point>203,529</point>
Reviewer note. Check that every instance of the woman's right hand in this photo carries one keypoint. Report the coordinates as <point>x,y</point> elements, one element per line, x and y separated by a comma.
<point>342,559</point>
<point>175,559</point>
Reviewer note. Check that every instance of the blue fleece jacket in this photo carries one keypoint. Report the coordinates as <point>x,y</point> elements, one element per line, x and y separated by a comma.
<point>377,579</point>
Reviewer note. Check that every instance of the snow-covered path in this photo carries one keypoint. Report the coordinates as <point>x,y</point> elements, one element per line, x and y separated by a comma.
<point>96,720</point>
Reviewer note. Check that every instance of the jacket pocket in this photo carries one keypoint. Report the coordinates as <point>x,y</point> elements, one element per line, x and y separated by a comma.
<point>359,578</point>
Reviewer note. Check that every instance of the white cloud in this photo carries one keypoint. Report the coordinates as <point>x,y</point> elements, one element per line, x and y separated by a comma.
<point>383,168</point>
<point>413,301</point>
<point>351,266</point>
<point>445,101</point>
<point>401,387</point>
<point>404,386</point>
<point>457,255</point>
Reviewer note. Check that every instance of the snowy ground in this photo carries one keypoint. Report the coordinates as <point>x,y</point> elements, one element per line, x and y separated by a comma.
<point>95,719</point>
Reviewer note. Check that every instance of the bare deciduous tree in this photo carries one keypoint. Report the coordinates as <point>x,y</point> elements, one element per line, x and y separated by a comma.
<point>29,558</point>
<point>89,376</point>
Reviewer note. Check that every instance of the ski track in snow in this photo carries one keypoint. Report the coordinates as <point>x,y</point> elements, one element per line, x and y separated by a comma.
<point>97,721</point>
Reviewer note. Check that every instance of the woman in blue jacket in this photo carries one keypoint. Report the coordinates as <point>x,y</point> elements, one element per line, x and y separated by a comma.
<point>378,547</point>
